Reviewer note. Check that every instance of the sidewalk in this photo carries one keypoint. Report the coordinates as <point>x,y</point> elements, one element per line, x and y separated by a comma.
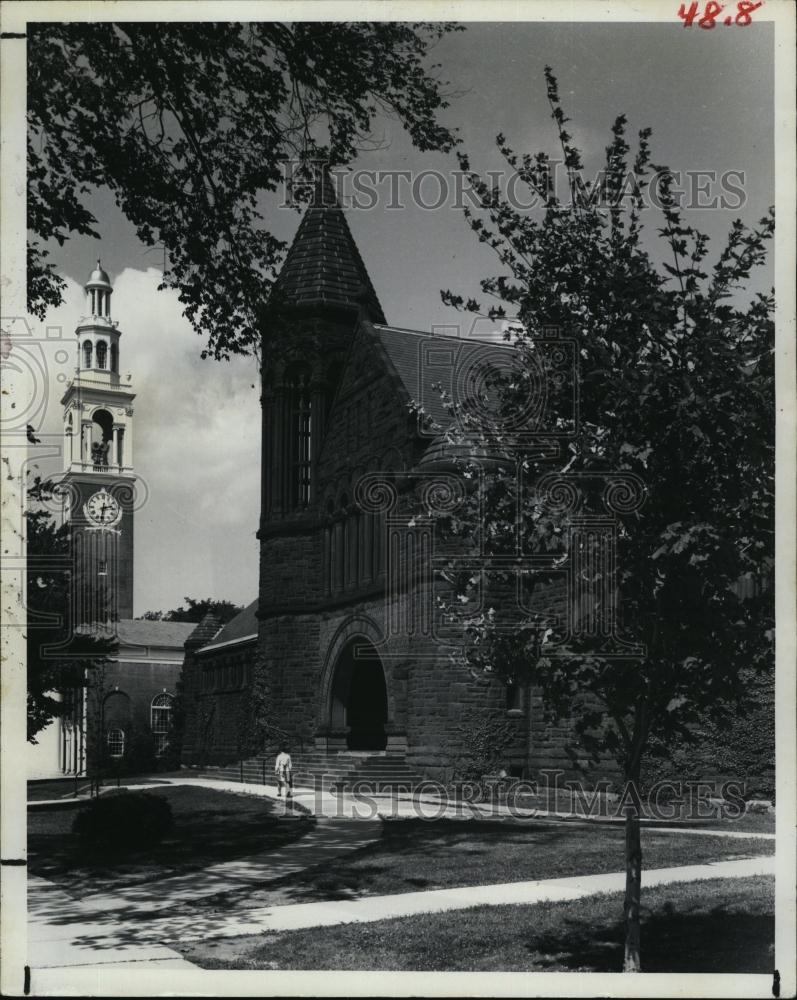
<point>345,805</point>
<point>328,839</point>
<point>85,935</point>
<point>131,926</point>
<point>271,919</point>
<point>59,932</point>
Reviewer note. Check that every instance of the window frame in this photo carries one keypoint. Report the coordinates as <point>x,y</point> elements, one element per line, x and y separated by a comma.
<point>162,705</point>
<point>120,741</point>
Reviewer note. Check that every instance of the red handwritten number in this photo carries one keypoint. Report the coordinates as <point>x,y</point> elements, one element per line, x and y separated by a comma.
<point>688,16</point>
<point>746,8</point>
<point>712,12</point>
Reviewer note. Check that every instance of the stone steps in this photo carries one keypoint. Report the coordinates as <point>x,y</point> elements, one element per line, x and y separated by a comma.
<point>379,771</point>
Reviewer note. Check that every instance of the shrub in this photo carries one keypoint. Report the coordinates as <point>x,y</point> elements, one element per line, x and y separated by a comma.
<point>140,753</point>
<point>123,821</point>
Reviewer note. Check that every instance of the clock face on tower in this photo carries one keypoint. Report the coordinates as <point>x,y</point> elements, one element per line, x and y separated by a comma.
<point>102,509</point>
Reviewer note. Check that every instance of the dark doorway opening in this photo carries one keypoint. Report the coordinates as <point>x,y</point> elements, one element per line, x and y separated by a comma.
<point>359,696</point>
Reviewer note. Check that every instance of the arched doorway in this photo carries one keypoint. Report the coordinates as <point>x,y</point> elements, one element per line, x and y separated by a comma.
<point>359,696</point>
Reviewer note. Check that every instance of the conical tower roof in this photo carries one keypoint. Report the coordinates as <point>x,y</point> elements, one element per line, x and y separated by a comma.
<point>324,267</point>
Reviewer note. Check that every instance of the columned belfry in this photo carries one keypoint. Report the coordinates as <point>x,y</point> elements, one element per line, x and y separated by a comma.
<point>98,477</point>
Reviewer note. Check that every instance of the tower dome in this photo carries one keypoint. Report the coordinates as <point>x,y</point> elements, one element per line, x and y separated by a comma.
<point>98,293</point>
<point>99,278</point>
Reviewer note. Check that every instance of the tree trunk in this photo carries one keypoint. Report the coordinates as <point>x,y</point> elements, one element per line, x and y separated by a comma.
<point>633,880</point>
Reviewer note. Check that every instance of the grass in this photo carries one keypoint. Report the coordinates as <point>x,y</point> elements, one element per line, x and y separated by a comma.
<point>64,788</point>
<point>414,854</point>
<point>210,826</point>
<point>58,788</point>
<point>711,926</point>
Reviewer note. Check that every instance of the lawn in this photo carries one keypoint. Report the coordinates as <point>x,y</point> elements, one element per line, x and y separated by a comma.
<point>439,854</point>
<point>64,788</point>
<point>711,926</point>
<point>210,826</point>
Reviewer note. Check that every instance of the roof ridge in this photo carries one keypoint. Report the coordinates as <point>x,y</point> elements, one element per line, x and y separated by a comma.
<point>442,336</point>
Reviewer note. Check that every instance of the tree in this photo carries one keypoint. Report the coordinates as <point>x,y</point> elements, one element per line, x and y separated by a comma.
<point>676,434</point>
<point>61,658</point>
<point>189,125</point>
<point>196,610</point>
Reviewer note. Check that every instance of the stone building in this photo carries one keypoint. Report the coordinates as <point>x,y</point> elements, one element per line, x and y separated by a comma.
<point>346,630</point>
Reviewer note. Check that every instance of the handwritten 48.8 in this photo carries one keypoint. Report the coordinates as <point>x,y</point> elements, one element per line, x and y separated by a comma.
<point>712,11</point>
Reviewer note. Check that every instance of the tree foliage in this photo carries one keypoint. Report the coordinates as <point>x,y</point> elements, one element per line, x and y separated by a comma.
<point>190,124</point>
<point>195,610</point>
<point>676,389</point>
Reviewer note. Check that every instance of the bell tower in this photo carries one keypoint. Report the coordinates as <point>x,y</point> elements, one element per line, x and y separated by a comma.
<point>98,476</point>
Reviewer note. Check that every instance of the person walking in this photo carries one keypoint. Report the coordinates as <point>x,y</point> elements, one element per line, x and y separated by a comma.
<point>283,768</point>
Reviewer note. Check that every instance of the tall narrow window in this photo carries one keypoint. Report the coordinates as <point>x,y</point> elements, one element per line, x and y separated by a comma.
<point>87,354</point>
<point>327,561</point>
<point>161,724</point>
<point>300,424</point>
<point>114,358</point>
<point>102,353</point>
<point>338,556</point>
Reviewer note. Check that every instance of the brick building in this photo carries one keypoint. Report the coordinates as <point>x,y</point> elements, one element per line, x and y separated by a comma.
<point>131,698</point>
<point>345,629</point>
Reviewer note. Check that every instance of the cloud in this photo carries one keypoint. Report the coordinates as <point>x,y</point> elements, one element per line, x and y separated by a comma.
<point>196,444</point>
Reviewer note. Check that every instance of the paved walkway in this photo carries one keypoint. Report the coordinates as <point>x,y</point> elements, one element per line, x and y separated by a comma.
<point>325,914</point>
<point>327,839</point>
<point>427,806</point>
<point>61,934</point>
<point>130,926</point>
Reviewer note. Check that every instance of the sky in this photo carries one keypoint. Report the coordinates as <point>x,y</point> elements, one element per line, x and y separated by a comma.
<point>707,95</point>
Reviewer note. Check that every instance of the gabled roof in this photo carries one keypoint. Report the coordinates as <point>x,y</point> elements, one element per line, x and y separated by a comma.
<point>421,361</point>
<point>143,632</point>
<point>323,266</point>
<point>204,631</point>
<point>242,628</point>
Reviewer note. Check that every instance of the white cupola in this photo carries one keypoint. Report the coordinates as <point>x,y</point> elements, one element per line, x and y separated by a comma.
<point>98,335</point>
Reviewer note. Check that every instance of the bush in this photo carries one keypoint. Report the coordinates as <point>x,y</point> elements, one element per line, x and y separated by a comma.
<point>139,755</point>
<point>123,821</point>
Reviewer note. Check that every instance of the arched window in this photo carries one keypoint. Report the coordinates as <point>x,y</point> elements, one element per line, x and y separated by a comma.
<point>114,358</point>
<point>102,438</point>
<point>161,721</point>
<point>87,354</point>
<point>116,743</point>
<point>300,441</point>
<point>102,353</point>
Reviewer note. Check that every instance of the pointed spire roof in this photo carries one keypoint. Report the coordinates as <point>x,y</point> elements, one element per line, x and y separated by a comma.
<point>323,266</point>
